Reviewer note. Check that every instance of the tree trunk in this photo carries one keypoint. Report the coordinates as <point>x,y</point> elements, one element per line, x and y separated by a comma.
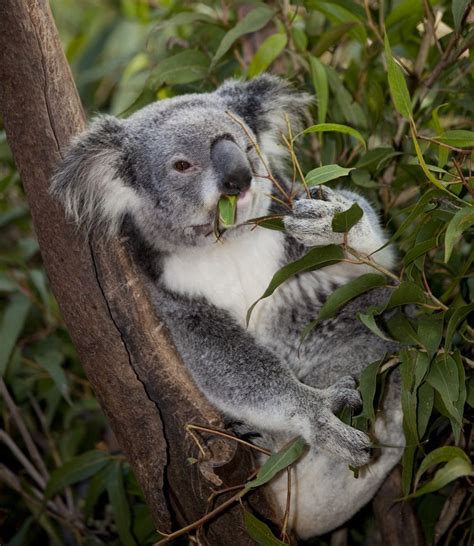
<point>133,367</point>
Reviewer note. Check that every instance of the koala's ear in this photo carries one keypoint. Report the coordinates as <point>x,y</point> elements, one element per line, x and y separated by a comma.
<point>263,103</point>
<point>92,181</point>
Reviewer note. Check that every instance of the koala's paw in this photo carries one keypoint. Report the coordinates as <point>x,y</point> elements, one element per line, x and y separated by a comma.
<point>311,221</point>
<point>344,393</point>
<point>347,443</point>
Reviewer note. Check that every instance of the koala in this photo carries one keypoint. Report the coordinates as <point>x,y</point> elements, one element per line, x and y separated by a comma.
<point>156,178</point>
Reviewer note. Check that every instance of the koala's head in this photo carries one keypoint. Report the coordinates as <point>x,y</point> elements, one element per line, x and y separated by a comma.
<point>166,167</point>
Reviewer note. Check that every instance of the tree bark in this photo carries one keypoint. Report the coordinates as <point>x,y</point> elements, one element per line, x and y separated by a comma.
<point>133,367</point>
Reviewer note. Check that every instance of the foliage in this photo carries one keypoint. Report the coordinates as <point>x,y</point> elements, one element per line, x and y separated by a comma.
<point>393,118</point>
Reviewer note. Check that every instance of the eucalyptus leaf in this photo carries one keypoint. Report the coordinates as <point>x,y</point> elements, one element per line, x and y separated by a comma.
<point>458,8</point>
<point>344,221</point>
<point>14,317</point>
<point>316,258</point>
<point>454,469</point>
<point>458,138</point>
<point>119,503</point>
<point>398,85</point>
<point>260,532</point>
<point>324,174</point>
<point>277,462</point>
<point>458,315</point>
<point>268,52</point>
<point>336,128</point>
<point>321,86</point>
<point>227,210</point>
<point>461,222</point>
<point>347,292</point>
<point>75,470</point>
<point>253,21</point>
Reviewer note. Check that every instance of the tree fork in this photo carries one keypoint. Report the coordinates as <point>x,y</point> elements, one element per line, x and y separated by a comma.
<point>128,357</point>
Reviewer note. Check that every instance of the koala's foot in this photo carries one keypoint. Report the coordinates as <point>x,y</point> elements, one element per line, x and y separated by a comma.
<point>344,393</point>
<point>329,433</point>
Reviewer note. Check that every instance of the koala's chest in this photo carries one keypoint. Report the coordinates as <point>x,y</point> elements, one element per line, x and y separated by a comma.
<point>232,274</point>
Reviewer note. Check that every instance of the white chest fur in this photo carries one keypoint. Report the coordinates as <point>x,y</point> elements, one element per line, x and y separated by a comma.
<point>232,274</point>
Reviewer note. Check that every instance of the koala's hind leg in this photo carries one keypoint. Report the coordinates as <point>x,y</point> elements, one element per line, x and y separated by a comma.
<point>325,493</point>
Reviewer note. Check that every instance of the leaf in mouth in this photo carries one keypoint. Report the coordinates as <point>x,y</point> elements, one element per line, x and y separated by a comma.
<point>227,210</point>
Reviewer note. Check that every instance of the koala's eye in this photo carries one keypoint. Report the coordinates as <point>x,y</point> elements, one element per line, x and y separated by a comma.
<point>182,166</point>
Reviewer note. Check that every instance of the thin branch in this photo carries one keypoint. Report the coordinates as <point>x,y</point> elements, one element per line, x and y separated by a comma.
<point>229,436</point>
<point>23,430</point>
<point>5,438</point>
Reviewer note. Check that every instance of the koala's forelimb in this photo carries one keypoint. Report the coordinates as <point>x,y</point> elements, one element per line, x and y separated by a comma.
<point>246,381</point>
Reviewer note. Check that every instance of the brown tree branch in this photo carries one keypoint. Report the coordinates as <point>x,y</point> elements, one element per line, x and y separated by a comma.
<point>127,355</point>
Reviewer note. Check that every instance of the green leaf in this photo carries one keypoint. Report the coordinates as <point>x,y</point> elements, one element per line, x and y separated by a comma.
<point>443,377</point>
<point>420,207</point>
<point>268,52</point>
<point>461,221</point>
<point>316,258</point>
<point>259,531</point>
<point>185,67</point>
<point>348,292</point>
<point>269,222</point>
<point>51,361</point>
<point>458,8</point>
<point>253,21</point>
<point>368,388</point>
<point>337,128</point>
<point>321,86</point>
<point>407,292</point>
<point>430,331</point>
<point>227,210</point>
<point>332,36</point>
<point>368,320</point>
<point>458,315</point>
<point>80,468</point>
<point>120,506</point>
<point>454,469</point>
<point>324,174</point>
<point>373,159</point>
<point>14,316</point>
<point>425,407</point>
<point>344,221</point>
<point>398,85</point>
<point>400,328</point>
<point>277,462</point>
<point>350,110</point>
<point>419,250</point>
<point>457,138</point>
<point>440,455</point>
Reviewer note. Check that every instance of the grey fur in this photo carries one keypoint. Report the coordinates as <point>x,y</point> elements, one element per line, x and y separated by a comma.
<point>121,174</point>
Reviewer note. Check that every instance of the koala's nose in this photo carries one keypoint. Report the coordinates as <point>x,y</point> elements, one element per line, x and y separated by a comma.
<point>232,166</point>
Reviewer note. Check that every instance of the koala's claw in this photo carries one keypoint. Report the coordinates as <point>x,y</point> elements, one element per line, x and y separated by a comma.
<point>344,393</point>
<point>345,442</point>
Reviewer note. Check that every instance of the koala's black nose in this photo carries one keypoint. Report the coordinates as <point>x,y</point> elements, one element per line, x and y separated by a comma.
<point>232,166</point>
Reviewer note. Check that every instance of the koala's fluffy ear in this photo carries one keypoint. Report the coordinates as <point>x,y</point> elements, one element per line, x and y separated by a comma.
<point>91,180</point>
<point>263,103</point>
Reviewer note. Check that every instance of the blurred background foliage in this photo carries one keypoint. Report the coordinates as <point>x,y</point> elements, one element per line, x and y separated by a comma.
<point>63,480</point>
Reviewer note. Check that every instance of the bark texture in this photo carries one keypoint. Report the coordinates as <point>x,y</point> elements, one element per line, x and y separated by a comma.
<point>136,374</point>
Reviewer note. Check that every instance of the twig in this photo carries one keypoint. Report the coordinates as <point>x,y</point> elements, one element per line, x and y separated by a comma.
<point>260,154</point>
<point>23,430</point>
<point>465,151</point>
<point>229,436</point>
<point>463,179</point>
<point>201,521</point>
<point>5,438</point>
<point>286,517</point>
